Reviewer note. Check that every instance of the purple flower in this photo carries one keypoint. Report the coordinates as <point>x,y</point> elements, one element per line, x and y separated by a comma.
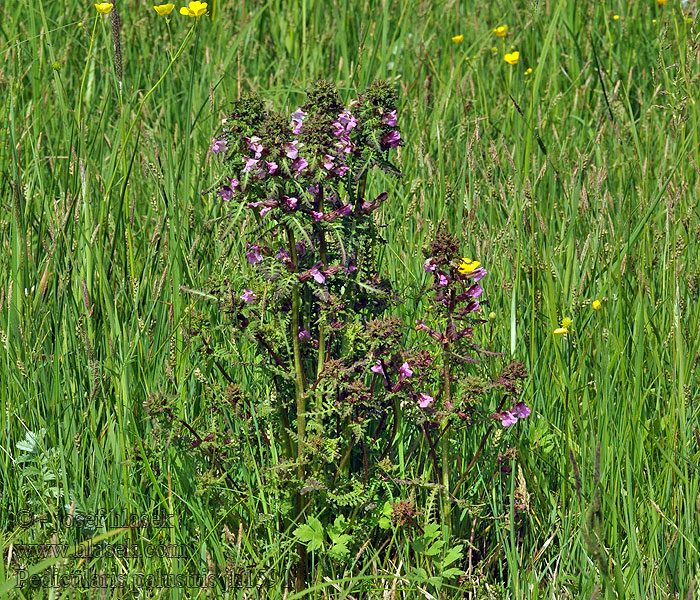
<point>338,128</point>
<point>290,149</point>
<point>328,162</point>
<point>219,146</point>
<point>254,255</point>
<point>317,215</point>
<point>300,247</point>
<point>255,145</point>
<point>475,291</point>
<point>428,265</point>
<point>226,193</point>
<point>250,164</point>
<point>389,118</point>
<point>507,418</point>
<point>425,400</point>
<point>442,279</point>
<point>299,164</point>
<point>340,170</point>
<point>521,411</point>
<point>248,295</point>
<point>271,167</point>
<point>391,139</point>
<point>317,274</point>
<point>304,335</point>
<point>347,119</point>
<point>405,372</point>
<point>291,201</point>
<point>282,254</point>
<point>297,120</point>
<point>478,274</point>
<point>344,145</point>
<point>345,210</point>
<point>264,210</point>
<point>378,368</point>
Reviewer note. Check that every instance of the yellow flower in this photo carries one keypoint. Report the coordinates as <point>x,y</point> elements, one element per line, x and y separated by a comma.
<point>528,71</point>
<point>661,2</point>
<point>653,20</point>
<point>492,316</point>
<point>560,331</point>
<point>501,30</point>
<point>458,39</point>
<point>468,265</point>
<point>194,9</point>
<point>104,7</point>
<point>512,57</point>
<point>164,9</point>
<point>567,322</point>
<point>616,17</point>
<point>596,305</point>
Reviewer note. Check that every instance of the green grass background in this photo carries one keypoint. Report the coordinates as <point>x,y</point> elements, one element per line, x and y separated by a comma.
<point>576,182</point>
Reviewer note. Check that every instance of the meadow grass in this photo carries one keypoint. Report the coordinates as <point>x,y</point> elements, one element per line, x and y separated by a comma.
<point>576,182</point>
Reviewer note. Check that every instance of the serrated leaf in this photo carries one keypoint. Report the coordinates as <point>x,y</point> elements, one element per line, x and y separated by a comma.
<point>310,534</point>
<point>452,555</point>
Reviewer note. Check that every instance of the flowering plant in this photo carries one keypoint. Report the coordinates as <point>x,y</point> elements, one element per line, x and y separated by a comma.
<point>313,304</point>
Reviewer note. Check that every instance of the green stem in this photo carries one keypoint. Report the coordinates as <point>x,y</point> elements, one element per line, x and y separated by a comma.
<point>300,578</point>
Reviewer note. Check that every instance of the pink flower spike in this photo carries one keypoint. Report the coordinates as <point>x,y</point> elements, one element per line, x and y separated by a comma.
<point>425,400</point>
<point>346,210</point>
<point>442,280</point>
<point>405,372</point>
<point>248,295</point>
<point>304,335</point>
<point>341,170</point>
<point>291,202</point>
<point>265,210</point>
<point>507,418</point>
<point>521,411</point>
<point>377,368</point>
<point>428,266</point>
<point>271,167</point>
<point>328,162</point>
<point>317,215</point>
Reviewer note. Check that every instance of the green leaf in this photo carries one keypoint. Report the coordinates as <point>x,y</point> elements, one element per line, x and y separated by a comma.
<point>310,534</point>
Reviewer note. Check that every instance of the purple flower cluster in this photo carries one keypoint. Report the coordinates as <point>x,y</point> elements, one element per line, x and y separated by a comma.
<point>510,417</point>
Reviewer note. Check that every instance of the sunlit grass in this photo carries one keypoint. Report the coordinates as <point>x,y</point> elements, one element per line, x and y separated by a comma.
<point>573,183</point>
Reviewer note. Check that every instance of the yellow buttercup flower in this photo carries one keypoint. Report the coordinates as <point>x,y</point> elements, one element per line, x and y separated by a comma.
<point>512,57</point>
<point>458,39</point>
<point>596,305</point>
<point>560,331</point>
<point>616,17</point>
<point>194,9</point>
<point>661,2</point>
<point>164,9</point>
<point>567,322</point>
<point>467,266</point>
<point>104,7</point>
<point>528,71</point>
<point>501,30</point>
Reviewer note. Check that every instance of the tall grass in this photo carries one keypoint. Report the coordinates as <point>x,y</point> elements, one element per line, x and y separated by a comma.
<point>576,182</point>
